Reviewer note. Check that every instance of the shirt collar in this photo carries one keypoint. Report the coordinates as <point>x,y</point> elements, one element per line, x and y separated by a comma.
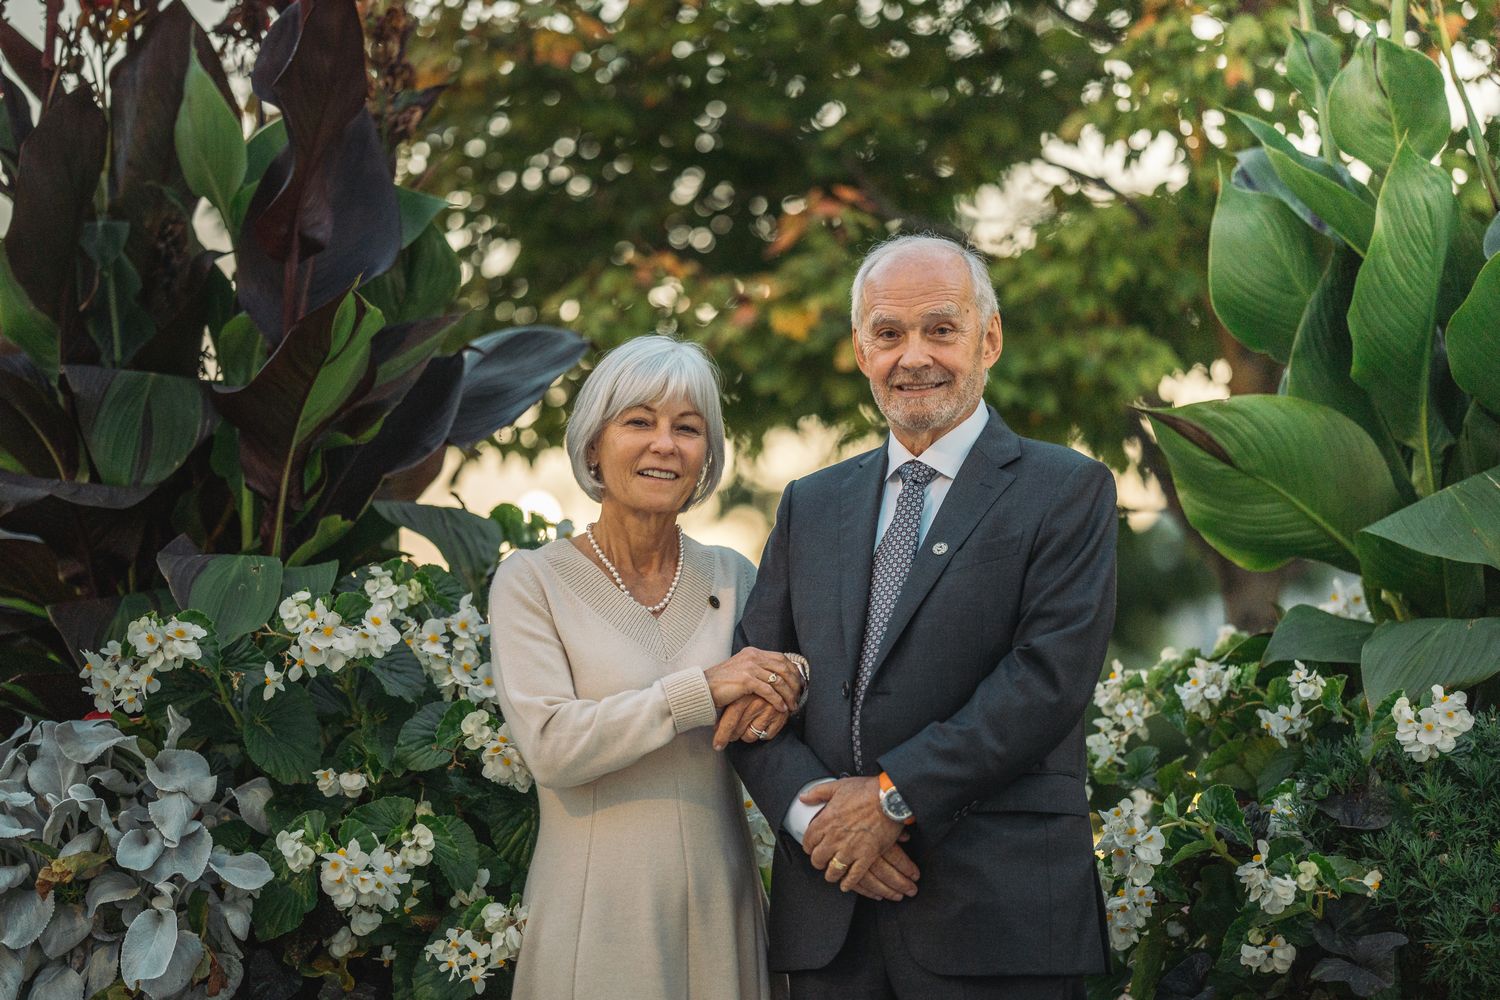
<point>945,455</point>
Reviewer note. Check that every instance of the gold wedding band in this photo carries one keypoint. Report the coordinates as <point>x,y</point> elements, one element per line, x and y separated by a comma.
<point>760,734</point>
<point>836,863</point>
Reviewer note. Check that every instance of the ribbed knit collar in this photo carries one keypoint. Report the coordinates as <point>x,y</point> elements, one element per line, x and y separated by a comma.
<point>664,635</point>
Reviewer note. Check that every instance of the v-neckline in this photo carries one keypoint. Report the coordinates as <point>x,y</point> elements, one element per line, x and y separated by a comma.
<point>663,635</point>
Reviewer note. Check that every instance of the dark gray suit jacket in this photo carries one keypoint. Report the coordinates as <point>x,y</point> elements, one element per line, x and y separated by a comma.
<point>975,707</point>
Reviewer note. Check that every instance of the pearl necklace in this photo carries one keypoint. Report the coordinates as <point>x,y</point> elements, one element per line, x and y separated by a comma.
<point>658,606</point>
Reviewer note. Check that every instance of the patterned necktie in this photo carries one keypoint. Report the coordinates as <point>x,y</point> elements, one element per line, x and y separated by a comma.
<point>892,563</point>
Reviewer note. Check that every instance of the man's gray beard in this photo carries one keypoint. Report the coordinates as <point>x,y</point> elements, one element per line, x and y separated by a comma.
<point>969,390</point>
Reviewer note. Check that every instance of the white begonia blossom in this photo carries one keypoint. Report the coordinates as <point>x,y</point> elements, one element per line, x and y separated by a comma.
<point>1207,683</point>
<point>1278,893</point>
<point>342,943</point>
<point>1373,880</point>
<point>182,639</point>
<point>1253,873</point>
<point>1106,746</point>
<point>1308,684</point>
<point>416,846</point>
<point>377,633</point>
<point>462,898</point>
<point>1286,721</point>
<point>476,729</point>
<point>1452,710</point>
<point>415,592</point>
<point>128,698</point>
<point>1307,876</point>
<point>1283,813</point>
<point>149,641</point>
<point>381,587</point>
<point>364,921</point>
<point>299,856</point>
<point>273,682</point>
<point>502,761</point>
<point>1347,601</point>
<point>431,637</point>
<point>1274,956</point>
<point>295,611</point>
<point>466,622</point>
<point>328,781</point>
<point>353,784</point>
<point>1435,729</point>
<point>1126,912</point>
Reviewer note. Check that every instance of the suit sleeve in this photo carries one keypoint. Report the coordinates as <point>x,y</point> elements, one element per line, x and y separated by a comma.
<point>774,771</point>
<point>1039,691</point>
<point>567,740</point>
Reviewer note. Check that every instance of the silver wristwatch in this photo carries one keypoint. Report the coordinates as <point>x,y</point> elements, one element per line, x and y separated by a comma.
<point>893,805</point>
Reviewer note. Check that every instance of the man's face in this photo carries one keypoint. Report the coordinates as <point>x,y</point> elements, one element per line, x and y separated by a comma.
<point>921,345</point>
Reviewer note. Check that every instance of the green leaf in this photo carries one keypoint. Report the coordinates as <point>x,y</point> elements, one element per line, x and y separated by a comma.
<point>1346,213</point>
<point>239,593</point>
<point>1312,62</point>
<point>263,147</point>
<point>1218,805</point>
<point>283,902</point>
<point>1461,523</point>
<point>210,146</point>
<point>1387,95</point>
<point>418,209</point>
<point>374,822</point>
<point>417,748</point>
<point>423,282</point>
<point>470,543</point>
<point>1191,849</point>
<point>1307,633</point>
<point>1473,338</point>
<point>1393,313</point>
<point>1412,656</point>
<point>315,579</point>
<point>454,849</point>
<point>1262,268</point>
<point>1252,473</point>
<point>240,350</point>
<point>449,730</point>
<point>329,530</point>
<point>282,735</point>
<point>399,673</point>
<point>25,325</point>
<point>140,426</point>
<point>1319,367</point>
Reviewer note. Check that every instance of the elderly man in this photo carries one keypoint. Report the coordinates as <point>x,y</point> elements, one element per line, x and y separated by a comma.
<point>954,591</point>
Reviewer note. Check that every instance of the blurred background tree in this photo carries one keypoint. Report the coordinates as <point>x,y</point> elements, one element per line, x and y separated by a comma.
<point>715,170</point>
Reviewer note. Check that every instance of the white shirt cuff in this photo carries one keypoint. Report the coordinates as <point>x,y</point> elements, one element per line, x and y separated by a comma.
<point>800,814</point>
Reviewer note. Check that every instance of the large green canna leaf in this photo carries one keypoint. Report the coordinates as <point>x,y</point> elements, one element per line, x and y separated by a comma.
<point>1319,367</point>
<point>1262,268</point>
<point>140,426</point>
<point>210,146</point>
<point>1345,212</point>
<point>422,283</point>
<point>1461,523</point>
<point>319,368</point>
<point>24,324</point>
<point>1307,633</point>
<point>237,592</point>
<point>1253,474</point>
<point>418,209</point>
<point>1392,314</point>
<point>1473,338</point>
<point>1387,96</point>
<point>1412,656</point>
<point>470,543</point>
<point>1312,63</point>
<point>37,436</point>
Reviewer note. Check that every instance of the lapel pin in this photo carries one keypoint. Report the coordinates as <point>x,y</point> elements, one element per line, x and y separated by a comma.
<point>940,548</point>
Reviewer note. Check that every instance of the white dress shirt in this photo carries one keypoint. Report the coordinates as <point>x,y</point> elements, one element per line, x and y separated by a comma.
<point>945,456</point>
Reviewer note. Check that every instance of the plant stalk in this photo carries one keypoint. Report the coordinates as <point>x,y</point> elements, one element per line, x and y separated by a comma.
<point>1305,14</point>
<point>1476,134</point>
<point>1398,22</point>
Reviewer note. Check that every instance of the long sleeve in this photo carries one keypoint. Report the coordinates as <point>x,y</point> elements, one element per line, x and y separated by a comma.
<point>567,740</point>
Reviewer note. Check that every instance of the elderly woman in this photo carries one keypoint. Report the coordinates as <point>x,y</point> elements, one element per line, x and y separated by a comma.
<point>611,658</point>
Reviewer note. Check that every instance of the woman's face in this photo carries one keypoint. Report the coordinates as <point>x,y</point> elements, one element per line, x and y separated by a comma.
<point>650,456</point>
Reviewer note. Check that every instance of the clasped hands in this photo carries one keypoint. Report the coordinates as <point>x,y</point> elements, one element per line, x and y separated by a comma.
<point>757,691</point>
<point>854,843</point>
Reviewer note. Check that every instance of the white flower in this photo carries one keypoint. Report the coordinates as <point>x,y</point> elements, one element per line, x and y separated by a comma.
<point>430,638</point>
<point>294,611</point>
<point>1373,880</point>
<point>761,835</point>
<point>1347,601</point>
<point>1131,711</point>
<point>381,587</point>
<point>364,921</point>
<point>352,783</point>
<point>297,854</point>
<point>272,683</point>
<point>377,634</point>
<point>1452,711</point>
<point>1126,912</point>
<point>416,846</point>
<point>466,622</point>
<point>328,781</point>
<point>503,762</point>
<point>1105,746</point>
<point>1207,683</point>
<point>476,729</point>
<point>149,641</point>
<point>1278,893</point>
<point>1307,876</point>
<point>1308,684</point>
<point>182,639</point>
<point>1283,813</point>
<point>1273,956</point>
<point>461,898</point>
<point>1285,721</point>
<point>342,943</point>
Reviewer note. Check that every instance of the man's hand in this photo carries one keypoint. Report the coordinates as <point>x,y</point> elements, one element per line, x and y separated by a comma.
<point>850,827</point>
<point>892,877</point>
<point>742,717</point>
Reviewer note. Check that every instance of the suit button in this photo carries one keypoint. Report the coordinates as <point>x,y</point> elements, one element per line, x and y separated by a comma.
<point>845,689</point>
<point>713,601</point>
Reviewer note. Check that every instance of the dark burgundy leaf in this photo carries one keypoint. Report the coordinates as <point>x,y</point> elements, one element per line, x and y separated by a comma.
<point>36,430</point>
<point>17,124</point>
<point>26,60</point>
<point>90,623</point>
<point>32,572</point>
<point>1365,808</point>
<point>399,354</point>
<point>60,164</point>
<point>507,371</point>
<point>203,297</point>
<point>324,216</point>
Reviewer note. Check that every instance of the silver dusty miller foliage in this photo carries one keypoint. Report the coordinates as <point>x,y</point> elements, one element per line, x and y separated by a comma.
<point>108,867</point>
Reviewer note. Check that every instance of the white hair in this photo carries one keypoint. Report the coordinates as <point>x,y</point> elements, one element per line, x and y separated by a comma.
<point>641,371</point>
<point>979,275</point>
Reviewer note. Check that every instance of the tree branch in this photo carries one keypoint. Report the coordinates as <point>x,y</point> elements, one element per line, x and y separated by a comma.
<point>1141,215</point>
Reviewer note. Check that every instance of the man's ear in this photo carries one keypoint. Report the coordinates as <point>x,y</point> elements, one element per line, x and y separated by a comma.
<point>859,352</point>
<point>994,340</point>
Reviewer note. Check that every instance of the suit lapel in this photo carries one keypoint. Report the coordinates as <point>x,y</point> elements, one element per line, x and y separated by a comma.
<point>980,481</point>
<point>861,511</point>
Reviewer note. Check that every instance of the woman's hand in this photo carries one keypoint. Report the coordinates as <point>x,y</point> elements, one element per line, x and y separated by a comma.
<point>747,719</point>
<point>751,671</point>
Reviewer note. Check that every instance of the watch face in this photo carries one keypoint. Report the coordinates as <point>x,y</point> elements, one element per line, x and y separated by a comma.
<point>894,805</point>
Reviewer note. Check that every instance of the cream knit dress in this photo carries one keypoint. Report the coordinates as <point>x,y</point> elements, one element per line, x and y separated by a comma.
<point>644,883</point>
